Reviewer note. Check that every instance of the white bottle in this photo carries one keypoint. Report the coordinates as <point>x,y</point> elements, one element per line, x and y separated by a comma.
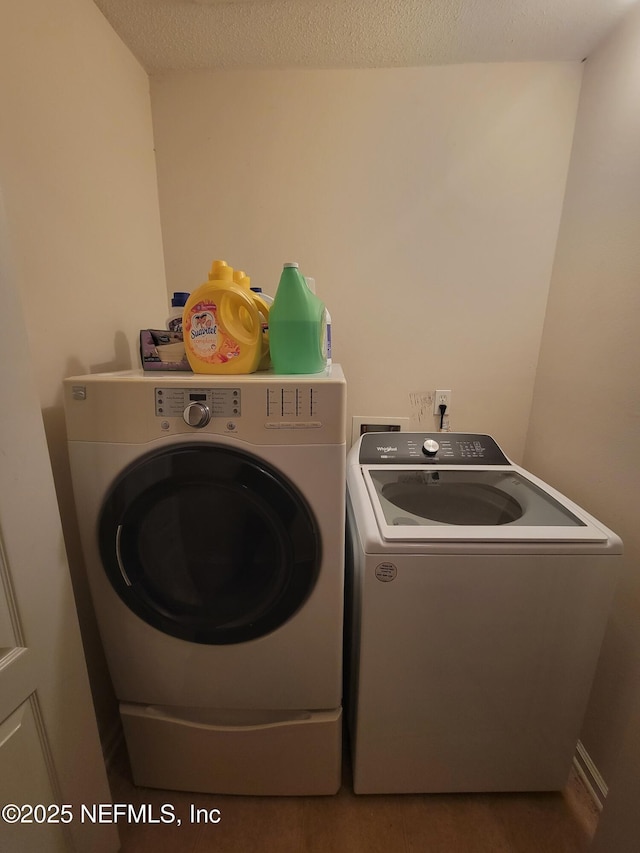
<point>268,299</point>
<point>326,342</point>
<point>174,320</point>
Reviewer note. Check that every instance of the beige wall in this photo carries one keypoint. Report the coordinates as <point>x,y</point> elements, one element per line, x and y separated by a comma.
<point>424,201</point>
<point>585,425</point>
<point>77,172</point>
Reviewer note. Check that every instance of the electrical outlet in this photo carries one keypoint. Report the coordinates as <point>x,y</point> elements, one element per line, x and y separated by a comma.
<point>440,397</point>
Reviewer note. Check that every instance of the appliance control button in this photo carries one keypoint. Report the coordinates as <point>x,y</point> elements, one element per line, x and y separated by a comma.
<point>430,447</point>
<point>197,415</point>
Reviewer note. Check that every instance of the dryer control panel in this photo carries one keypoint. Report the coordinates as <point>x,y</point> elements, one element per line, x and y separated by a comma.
<point>222,402</point>
<point>261,409</point>
<point>435,448</point>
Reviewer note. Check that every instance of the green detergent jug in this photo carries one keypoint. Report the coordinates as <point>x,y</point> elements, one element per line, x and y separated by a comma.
<point>296,326</point>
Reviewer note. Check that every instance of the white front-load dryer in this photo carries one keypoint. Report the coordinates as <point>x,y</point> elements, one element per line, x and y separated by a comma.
<point>211,511</point>
<point>478,599</point>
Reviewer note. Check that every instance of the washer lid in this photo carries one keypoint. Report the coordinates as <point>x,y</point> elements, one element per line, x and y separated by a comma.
<point>497,503</point>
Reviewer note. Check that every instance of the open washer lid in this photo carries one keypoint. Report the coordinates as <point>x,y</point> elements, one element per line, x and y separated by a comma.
<point>461,487</point>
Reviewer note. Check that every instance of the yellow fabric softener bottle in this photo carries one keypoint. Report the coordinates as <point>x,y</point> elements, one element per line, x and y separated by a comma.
<point>222,326</point>
<point>244,281</point>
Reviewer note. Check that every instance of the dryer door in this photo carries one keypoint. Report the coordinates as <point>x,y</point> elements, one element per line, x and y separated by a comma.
<point>209,544</point>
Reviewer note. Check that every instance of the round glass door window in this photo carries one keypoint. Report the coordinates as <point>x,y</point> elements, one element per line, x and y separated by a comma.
<point>209,544</point>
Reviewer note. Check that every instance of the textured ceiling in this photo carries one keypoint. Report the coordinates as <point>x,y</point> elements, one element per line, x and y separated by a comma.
<point>190,34</point>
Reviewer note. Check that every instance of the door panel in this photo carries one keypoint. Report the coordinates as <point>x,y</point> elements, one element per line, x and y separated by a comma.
<point>25,779</point>
<point>49,747</point>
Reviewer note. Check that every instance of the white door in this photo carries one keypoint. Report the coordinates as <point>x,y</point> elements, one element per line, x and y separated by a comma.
<point>50,757</point>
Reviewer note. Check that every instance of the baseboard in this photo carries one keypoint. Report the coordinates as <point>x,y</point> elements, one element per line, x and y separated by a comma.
<point>588,772</point>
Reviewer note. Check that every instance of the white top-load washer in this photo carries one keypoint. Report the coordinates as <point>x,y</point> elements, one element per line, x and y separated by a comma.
<point>211,511</point>
<point>478,598</point>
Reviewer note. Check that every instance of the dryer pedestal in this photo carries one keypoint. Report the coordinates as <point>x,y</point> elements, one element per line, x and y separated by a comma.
<point>234,752</point>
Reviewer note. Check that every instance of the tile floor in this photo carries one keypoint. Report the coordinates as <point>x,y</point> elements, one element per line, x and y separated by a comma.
<point>561,822</point>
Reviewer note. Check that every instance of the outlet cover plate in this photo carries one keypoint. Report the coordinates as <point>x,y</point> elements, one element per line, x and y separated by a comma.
<point>375,423</point>
<point>441,397</point>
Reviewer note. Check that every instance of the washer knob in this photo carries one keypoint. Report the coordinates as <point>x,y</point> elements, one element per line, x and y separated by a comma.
<point>197,415</point>
<point>430,447</point>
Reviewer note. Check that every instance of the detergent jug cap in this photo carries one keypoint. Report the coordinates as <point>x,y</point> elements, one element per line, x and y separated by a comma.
<point>240,277</point>
<point>221,270</point>
<point>179,299</point>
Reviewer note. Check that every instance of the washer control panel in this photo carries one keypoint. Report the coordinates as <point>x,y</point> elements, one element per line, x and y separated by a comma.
<point>436,448</point>
<point>219,402</point>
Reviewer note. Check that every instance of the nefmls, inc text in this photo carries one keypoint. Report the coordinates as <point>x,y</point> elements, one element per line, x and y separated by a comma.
<point>145,813</point>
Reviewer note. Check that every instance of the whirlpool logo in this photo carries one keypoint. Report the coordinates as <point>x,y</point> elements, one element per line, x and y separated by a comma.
<point>386,449</point>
